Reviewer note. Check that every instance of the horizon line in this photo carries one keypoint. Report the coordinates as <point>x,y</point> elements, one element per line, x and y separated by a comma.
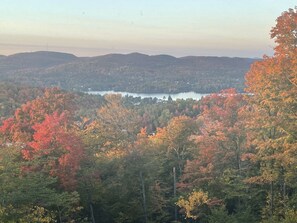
<point>128,53</point>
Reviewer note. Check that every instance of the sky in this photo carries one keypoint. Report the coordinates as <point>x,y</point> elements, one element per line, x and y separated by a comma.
<point>235,28</point>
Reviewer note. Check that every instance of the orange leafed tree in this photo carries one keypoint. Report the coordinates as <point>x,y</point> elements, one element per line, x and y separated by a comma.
<point>272,113</point>
<point>19,127</point>
<point>220,140</point>
<point>273,106</point>
<point>44,129</point>
<point>58,149</point>
<point>175,139</point>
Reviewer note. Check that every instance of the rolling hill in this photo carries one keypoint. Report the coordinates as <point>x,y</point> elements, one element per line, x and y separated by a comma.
<point>133,72</point>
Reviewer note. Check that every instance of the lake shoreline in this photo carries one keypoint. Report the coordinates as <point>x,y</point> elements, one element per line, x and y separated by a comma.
<point>159,96</point>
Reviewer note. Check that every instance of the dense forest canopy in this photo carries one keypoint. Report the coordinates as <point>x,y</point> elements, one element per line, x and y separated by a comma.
<point>230,157</point>
<point>135,72</point>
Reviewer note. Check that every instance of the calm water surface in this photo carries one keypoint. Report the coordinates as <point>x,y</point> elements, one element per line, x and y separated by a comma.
<point>161,96</point>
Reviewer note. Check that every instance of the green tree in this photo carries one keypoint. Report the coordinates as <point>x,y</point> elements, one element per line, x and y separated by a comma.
<point>26,195</point>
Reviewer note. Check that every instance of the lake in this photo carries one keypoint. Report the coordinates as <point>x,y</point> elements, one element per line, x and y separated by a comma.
<point>161,96</point>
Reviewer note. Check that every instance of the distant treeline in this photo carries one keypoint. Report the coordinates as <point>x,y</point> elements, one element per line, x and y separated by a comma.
<point>134,72</point>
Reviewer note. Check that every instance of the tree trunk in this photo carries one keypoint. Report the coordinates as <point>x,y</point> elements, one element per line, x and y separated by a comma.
<point>174,193</point>
<point>143,197</point>
<point>272,199</point>
<point>92,213</point>
<point>59,214</point>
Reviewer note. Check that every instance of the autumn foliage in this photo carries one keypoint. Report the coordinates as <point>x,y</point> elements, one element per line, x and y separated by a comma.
<point>43,127</point>
<point>229,157</point>
<point>19,128</point>
<point>60,149</point>
<point>272,82</point>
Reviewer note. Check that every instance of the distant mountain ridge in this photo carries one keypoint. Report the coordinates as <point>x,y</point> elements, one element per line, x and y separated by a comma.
<point>39,59</point>
<point>135,72</point>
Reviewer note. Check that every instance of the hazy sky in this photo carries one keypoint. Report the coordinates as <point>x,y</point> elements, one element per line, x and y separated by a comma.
<point>175,27</point>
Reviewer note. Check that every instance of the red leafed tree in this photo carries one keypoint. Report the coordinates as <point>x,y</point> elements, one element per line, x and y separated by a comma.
<point>221,138</point>
<point>56,149</point>
<point>19,127</point>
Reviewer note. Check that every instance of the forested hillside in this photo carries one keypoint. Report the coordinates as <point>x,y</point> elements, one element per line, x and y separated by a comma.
<point>134,72</point>
<point>228,158</point>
